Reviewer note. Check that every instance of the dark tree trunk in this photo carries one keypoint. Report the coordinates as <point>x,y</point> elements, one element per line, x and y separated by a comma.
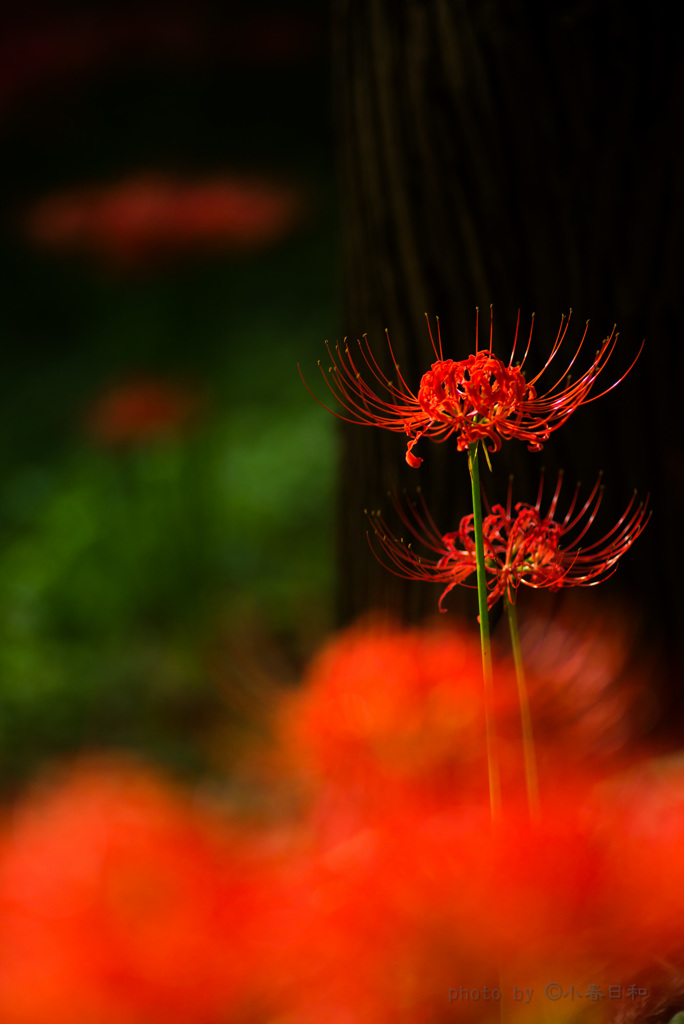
<point>527,156</point>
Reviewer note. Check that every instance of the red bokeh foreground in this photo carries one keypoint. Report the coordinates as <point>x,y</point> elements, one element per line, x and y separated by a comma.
<point>380,891</point>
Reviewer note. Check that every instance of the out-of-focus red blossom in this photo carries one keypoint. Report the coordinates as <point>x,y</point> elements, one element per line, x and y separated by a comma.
<point>475,399</point>
<point>593,684</point>
<point>404,890</point>
<point>385,710</point>
<point>352,931</point>
<point>646,856</point>
<point>379,925</point>
<point>148,219</point>
<point>141,409</point>
<point>120,903</point>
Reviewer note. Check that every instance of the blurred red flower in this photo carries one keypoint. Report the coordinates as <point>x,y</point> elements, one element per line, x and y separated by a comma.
<point>120,903</point>
<point>379,924</point>
<point>385,710</point>
<point>146,219</point>
<point>594,684</point>
<point>140,409</point>
<point>371,902</point>
<point>400,889</point>
<point>643,821</point>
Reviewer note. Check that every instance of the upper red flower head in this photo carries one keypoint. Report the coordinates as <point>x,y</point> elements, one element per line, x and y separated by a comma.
<point>477,399</point>
<point>521,546</point>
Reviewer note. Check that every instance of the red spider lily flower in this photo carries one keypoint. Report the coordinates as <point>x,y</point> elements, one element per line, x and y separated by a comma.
<point>120,902</point>
<point>151,218</point>
<point>476,399</point>
<point>141,409</point>
<point>522,548</point>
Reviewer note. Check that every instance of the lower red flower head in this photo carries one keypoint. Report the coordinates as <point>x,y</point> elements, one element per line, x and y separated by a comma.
<point>521,546</point>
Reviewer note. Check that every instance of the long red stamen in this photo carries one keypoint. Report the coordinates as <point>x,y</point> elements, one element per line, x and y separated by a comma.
<point>476,399</point>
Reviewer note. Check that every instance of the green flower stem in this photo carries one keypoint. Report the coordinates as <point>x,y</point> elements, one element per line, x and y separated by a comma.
<point>531,778</point>
<point>492,754</point>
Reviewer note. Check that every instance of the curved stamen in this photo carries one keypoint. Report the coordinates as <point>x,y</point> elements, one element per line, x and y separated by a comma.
<point>475,399</point>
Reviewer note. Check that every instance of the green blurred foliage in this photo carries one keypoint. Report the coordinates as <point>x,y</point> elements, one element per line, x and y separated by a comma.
<point>115,563</point>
